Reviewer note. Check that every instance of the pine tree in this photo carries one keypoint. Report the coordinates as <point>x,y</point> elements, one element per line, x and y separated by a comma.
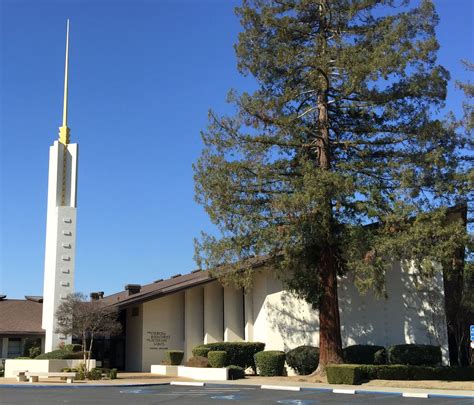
<point>334,164</point>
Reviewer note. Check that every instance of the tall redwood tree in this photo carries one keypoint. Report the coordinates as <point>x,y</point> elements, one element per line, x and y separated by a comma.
<point>339,135</point>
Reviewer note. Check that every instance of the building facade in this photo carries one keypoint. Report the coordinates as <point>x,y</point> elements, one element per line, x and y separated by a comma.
<point>20,326</point>
<point>187,310</point>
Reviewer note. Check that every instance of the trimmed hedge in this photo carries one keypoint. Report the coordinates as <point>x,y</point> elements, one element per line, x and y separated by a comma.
<point>174,357</point>
<point>415,355</point>
<point>303,359</point>
<point>363,354</point>
<point>345,374</point>
<point>355,374</point>
<point>60,355</point>
<point>270,363</point>
<point>238,353</point>
<point>393,372</point>
<point>201,351</point>
<point>217,358</point>
<point>235,372</point>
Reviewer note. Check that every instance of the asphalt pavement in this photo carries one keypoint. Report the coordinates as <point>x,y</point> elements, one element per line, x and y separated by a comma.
<point>207,395</point>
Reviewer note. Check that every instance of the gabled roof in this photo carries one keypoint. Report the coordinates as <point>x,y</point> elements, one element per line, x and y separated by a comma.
<point>159,288</point>
<point>174,284</point>
<point>21,317</point>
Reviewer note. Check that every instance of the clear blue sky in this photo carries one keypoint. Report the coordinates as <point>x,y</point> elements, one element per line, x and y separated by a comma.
<point>143,75</point>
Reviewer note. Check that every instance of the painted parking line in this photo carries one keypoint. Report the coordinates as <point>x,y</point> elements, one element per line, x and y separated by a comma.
<point>188,383</point>
<point>280,387</point>
<point>343,391</point>
<point>415,395</point>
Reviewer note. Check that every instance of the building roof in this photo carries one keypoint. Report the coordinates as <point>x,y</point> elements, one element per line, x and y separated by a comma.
<point>21,317</point>
<point>171,285</point>
<point>159,288</point>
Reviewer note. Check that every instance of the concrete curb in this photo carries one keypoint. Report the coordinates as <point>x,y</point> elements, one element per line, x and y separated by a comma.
<point>29,386</point>
<point>424,395</point>
<point>280,387</point>
<point>368,392</point>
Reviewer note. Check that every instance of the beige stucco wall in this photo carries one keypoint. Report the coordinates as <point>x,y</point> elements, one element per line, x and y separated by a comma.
<point>407,315</point>
<point>134,332</point>
<point>276,317</point>
<point>163,328</point>
<point>280,319</point>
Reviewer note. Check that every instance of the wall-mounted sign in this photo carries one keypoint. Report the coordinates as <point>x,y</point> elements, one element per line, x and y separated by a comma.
<point>157,340</point>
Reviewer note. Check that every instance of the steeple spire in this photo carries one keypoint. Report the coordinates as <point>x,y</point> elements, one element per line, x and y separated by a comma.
<point>64,130</point>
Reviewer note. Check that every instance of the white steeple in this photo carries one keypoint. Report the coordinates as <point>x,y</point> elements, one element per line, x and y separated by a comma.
<point>60,224</point>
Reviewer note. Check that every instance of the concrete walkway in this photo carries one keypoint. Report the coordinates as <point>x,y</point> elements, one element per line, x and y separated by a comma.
<point>135,379</point>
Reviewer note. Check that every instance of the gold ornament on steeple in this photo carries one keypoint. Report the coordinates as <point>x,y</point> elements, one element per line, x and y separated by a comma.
<point>64,130</point>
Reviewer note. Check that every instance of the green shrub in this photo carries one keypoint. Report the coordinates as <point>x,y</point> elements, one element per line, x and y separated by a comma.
<point>416,355</point>
<point>81,372</point>
<point>174,357</point>
<point>380,356</point>
<point>235,372</point>
<point>361,354</point>
<point>60,354</point>
<point>394,372</point>
<point>94,374</point>
<point>442,373</point>
<point>2,373</point>
<point>345,374</point>
<point>217,358</point>
<point>22,358</point>
<point>303,359</point>
<point>34,351</point>
<point>112,374</point>
<point>73,348</point>
<point>270,363</point>
<point>370,371</point>
<point>201,351</point>
<point>238,353</point>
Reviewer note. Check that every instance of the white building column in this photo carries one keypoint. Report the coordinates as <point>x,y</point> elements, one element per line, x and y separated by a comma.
<point>248,306</point>
<point>233,315</point>
<point>193,319</point>
<point>213,312</point>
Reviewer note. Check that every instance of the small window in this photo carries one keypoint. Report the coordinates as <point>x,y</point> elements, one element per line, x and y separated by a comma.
<point>14,348</point>
<point>135,311</point>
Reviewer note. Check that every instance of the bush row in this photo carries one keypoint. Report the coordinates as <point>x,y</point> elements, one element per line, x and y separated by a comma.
<point>409,354</point>
<point>60,354</point>
<point>304,359</point>
<point>238,353</point>
<point>356,373</point>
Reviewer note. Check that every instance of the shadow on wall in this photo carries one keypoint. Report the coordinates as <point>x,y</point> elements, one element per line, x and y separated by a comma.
<point>293,320</point>
<point>413,311</point>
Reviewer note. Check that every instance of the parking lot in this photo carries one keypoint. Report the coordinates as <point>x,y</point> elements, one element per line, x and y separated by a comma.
<point>217,394</point>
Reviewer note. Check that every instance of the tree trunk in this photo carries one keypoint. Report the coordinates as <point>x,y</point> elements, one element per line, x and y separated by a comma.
<point>330,343</point>
<point>84,347</point>
<point>89,353</point>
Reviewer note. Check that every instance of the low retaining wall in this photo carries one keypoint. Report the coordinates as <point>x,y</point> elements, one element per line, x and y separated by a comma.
<point>12,365</point>
<point>196,373</point>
